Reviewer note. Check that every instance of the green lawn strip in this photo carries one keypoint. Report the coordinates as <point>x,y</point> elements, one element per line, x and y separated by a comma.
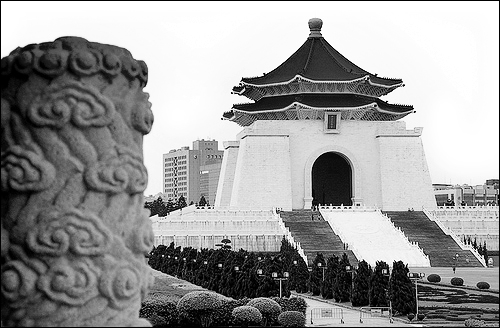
<point>473,288</point>
<point>455,303</point>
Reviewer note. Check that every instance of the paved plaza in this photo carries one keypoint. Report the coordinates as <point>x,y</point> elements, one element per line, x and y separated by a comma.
<point>351,317</point>
<point>471,276</point>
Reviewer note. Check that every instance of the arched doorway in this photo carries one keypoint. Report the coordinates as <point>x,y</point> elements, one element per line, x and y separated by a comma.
<point>332,180</point>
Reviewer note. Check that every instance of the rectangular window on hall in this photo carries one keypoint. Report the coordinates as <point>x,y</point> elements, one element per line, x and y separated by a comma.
<point>332,123</point>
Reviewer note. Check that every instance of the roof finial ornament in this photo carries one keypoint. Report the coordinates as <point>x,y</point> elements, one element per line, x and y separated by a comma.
<point>315,25</point>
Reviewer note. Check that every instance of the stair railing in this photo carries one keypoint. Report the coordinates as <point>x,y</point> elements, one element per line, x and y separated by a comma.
<point>343,238</point>
<point>288,235</point>
<point>433,217</point>
<point>413,245</point>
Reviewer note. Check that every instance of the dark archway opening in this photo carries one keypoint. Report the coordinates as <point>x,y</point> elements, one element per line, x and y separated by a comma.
<point>331,180</point>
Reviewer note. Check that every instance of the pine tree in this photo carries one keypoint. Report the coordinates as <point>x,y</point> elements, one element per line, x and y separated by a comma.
<point>402,290</point>
<point>169,206</point>
<point>379,285</point>
<point>302,275</point>
<point>343,280</point>
<point>326,288</point>
<point>361,284</point>
<point>316,276</point>
<point>334,265</point>
<point>181,202</point>
<point>485,252</point>
<point>156,206</point>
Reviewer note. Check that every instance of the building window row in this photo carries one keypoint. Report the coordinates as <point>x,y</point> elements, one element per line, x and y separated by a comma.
<point>174,158</point>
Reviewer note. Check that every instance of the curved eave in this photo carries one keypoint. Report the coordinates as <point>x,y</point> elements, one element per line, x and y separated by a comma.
<point>385,108</point>
<point>299,84</point>
<point>280,103</point>
<point>300,111</point>
<point>299,78</point>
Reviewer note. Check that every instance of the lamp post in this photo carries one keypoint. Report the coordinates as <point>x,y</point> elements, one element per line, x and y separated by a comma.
<point>350,269</point>
<point>274,275</point>
<point>416,276</point>
<point>280,279</point>
<point>320,265</point>
<point>387,273</point>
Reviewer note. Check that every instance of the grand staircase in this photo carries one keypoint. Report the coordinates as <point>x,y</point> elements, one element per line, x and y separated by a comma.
<point>315,235</point>
<point>440,248</point>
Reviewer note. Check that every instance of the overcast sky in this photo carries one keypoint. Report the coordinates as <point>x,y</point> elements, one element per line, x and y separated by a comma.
<point>447,54</point>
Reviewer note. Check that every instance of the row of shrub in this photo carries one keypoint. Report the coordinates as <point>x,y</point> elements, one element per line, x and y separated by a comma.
<point>215,269</point>
<point>205,308</point>
<point>456,281</point>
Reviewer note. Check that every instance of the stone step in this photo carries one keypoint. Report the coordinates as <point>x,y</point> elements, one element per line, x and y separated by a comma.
<point>315,235</point>
<point>440,247</point>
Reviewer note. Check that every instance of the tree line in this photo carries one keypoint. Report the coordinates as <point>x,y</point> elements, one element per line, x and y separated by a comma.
<point>239,274</point>
<point>481,249</point>
<point>158,206</point>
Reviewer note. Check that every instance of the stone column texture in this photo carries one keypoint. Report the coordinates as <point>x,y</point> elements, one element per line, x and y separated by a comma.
<point>74,228</point>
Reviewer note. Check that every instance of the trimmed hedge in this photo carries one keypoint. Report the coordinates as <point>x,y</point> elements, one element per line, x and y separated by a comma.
<point>246,315</point>
<point>292,319</point>
<point>456,281</point>
<point>483,285</point>
<point>434,277</point>
<point>291,304</point>
<point>223,316</point>
<point>198,307</point>
<point>268,308</point>
<point>156,320</point>
<point>473,323</point>
<point>155,306</point>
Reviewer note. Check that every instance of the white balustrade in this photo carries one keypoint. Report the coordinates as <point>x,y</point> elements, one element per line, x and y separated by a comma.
<point>203,227</point>
<point>450,233</point>
<point>372,236</point>
<point>288,235</point>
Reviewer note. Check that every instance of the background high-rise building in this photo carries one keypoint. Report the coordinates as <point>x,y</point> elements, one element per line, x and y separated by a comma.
<point>486,194</point>
<point>192,173</point>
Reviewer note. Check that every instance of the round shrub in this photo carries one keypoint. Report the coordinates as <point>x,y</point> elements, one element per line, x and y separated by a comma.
<point>456,281</point>
<point>223,315</point>
<point>292,319</point>
<point>246,315</point>
<point>433,277</point>
<point>268,308</point>
<point>161,307</point>
<point>198,307</point>
<point>291,304</point>
<point>156,320</point>
<point>483,285</point>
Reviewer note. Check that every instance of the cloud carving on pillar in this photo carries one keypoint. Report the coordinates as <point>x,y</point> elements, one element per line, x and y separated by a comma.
<point>74,228</point>
<point>60,103</point>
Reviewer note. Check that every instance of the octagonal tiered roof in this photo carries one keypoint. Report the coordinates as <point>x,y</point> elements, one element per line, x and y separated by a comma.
<point>323,79</point>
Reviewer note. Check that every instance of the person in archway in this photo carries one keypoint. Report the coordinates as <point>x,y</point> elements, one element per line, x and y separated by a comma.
<point>315,204</point>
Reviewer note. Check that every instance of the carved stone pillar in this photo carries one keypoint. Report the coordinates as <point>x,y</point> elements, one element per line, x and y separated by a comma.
<point>74,229</point>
